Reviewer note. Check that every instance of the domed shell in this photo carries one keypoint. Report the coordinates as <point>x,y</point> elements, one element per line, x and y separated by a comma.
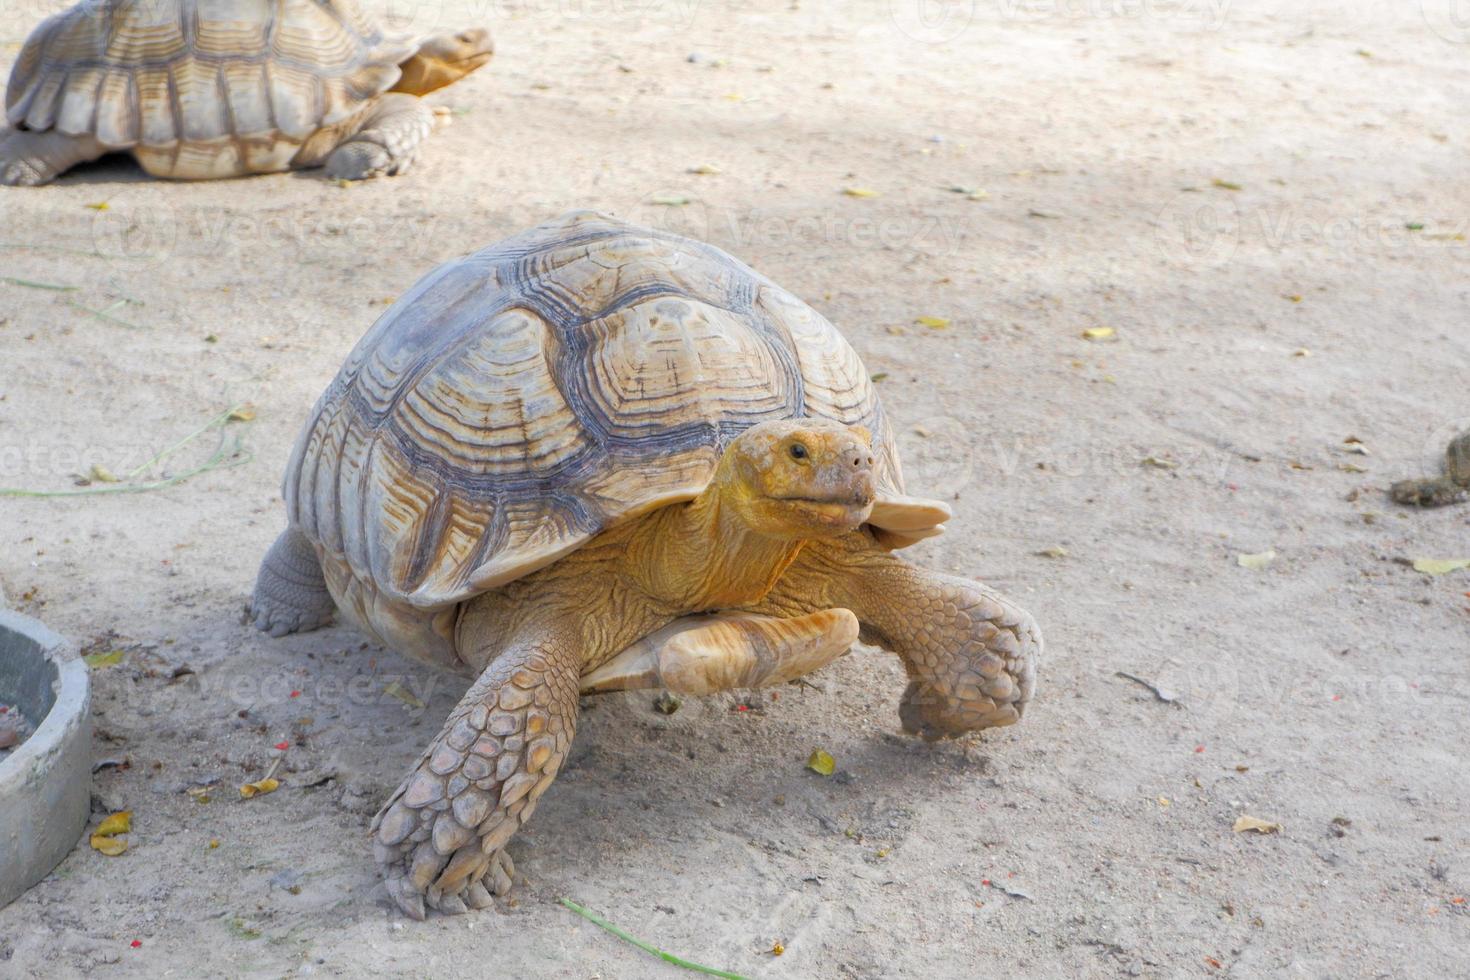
<point>157,73</point>
<point>520,400</point>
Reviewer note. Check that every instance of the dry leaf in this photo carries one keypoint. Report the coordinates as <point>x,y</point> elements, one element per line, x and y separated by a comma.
<point>933,322</point>
<point>1098,333</point>
<point>1352,468</point>
<point>1301,352</point>
<point>259,788</point>
<point>1053,552</point>
<point>704,168</point>
<point>821,763</point>
<point>95,660</point>
<point>105,839</point>
<point>99,206</point>
<point>241,413</point>
<point>101,474</point>
<point>859,192</point>
<point>1245,823</point>
<point>1352,444</point>
<point>1163,464</point>
<point>672,201</point>
<point>1440,566</point>
<point>403,694</point>
<point>1225,185</point>
<point>1256,561</point>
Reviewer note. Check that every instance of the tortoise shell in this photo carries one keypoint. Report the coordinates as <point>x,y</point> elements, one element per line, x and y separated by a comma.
<point>261,75</point>
<point>521,399</point>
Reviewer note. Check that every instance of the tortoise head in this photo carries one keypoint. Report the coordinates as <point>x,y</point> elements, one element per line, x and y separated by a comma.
<point>800,478</point>
<point>444,59</point>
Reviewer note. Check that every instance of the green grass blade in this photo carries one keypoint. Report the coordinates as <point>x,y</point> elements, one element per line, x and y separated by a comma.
<point>598,920</point>
<point>39,285</point>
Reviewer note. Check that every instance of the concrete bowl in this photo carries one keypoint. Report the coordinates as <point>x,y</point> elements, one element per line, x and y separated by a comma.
<point>46,783</point>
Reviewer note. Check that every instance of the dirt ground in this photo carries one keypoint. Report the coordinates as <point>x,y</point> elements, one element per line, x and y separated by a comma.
<point>1266,202</point>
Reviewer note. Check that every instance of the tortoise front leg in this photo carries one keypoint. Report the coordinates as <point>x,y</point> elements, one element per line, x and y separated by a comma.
<point>970,654</point>
<point>705,654</point>
<point>388,141</point>
<point>30,159</point>
<point>439,839</point>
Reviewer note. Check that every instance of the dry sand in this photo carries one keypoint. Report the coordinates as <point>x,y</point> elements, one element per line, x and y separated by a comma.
<point>1328,692</point>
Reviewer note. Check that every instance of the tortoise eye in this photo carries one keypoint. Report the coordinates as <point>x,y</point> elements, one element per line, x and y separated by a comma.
<point>798,451</point>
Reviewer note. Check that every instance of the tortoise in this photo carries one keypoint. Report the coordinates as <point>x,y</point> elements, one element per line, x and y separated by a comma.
<point>1451,487</point>
<point>196,89</point>
<point>595,457</point>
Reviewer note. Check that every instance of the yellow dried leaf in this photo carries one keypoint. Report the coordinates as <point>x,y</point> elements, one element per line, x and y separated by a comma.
<point>670,200</point>
<point>95,660</point>
<point>821,763</point>
<point>1164,801</point>
<point>1098,333</point>
<point>1257,561</point>
<point>933,322</point>
<point>119,823</point>
<point>101,474</point>
<point>1440,566</point>
<point>1352,468</point>
<point>1225,185</point>
<point>110,846</point>
<point>1053,552</point>
<point>99,206</point>
<point>241,413</point>
<point>1245,823</point>
<point>1159,463</point>
<point>403,694</point>
<point>259,788</point>
<point>1301,352</point>
<point>704,168</point>
<point>105,839</point>
<point>859,192</point>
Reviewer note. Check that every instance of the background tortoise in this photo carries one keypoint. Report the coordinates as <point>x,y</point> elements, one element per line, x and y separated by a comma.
<point>546,456</point>
<point>220,88</point>
<point>1450,487</point>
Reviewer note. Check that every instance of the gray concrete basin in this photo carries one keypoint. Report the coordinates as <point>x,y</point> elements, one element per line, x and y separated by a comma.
<point>46,783</point>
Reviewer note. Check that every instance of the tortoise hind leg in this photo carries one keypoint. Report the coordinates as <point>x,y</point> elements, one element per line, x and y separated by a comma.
<point>290,592</point>
<point>388,141</point>
<point>440,838</point>
<point>29,159</point>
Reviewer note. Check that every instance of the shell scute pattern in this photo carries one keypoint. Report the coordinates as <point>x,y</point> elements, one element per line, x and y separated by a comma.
<point>155,73</point>
<point>524,398</point>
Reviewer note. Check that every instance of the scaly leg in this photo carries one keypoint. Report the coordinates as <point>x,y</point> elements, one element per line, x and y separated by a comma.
<point>705,654</point>
<point>439,839</point>
<point>30,159</point>
<point>387,142</point>
<point>971,655</point>
<point>290,593</point>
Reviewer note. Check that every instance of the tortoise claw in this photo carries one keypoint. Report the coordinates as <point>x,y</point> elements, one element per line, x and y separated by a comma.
<point>406,898</point>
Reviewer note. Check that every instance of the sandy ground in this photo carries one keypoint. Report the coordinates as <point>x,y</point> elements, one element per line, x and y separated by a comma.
<point>1256,329</point>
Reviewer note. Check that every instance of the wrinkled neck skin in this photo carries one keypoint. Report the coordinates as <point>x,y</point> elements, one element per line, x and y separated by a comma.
<point>632,580</point>
<point>702,556</point>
